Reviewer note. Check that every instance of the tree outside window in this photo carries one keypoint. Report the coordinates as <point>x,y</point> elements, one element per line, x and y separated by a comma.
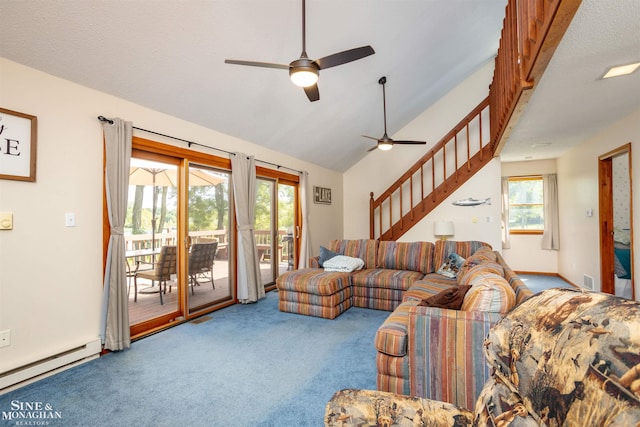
<point>526,205</point>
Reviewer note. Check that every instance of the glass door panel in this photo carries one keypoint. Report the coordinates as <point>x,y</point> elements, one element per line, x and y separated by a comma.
<point>151,229</point>
<point>286,227</point>
<point>208,266</point>
<point>263,228</point>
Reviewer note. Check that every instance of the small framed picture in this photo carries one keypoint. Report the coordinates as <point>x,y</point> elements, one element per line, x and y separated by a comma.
<point>322,195</point>
<point>18,145</point>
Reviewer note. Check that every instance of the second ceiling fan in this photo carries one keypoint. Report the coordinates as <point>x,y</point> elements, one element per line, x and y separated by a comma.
<point>304,71</point>
<point>385,143</point>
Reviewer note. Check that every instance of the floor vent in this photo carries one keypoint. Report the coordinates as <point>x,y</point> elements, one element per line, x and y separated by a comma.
<point>588,282</point>
<point>201,319</point>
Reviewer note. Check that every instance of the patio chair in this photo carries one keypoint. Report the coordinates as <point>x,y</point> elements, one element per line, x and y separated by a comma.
<point>201,259</point>
<point>165,266</point>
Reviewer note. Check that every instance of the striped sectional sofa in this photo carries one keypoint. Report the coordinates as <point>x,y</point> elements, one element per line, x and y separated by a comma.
<point>437,353</point>
<point>421,351</point>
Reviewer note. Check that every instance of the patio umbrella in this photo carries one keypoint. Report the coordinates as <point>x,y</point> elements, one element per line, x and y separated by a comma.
<point>143,172</point>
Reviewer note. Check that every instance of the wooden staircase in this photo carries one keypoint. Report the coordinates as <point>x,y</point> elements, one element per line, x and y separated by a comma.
<point>448,165</point>
<point>532,29</point>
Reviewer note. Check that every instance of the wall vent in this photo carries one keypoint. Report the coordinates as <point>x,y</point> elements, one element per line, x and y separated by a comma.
<point>588,282</point>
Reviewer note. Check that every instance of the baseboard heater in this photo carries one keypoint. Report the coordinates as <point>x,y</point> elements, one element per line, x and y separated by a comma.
<point>33,371</point>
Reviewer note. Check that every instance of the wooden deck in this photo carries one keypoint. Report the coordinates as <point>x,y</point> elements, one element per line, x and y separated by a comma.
<point>148,304</point>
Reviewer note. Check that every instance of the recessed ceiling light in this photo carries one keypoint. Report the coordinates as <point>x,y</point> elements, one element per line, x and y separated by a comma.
<point>621,70</point>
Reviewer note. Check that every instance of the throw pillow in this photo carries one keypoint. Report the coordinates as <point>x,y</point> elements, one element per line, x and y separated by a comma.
<point>450,298</point>
<point>451,267</point>
<point>325,255</point>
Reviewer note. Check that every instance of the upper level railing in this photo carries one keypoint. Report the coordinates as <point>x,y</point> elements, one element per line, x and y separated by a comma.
<point>531,31</point>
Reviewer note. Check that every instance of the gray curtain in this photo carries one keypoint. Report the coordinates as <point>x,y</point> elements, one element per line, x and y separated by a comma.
<point>551,236</point>
<point>243,173</point>
<point>114,330</point>
<point>305,245</point>
<point>506,239</point>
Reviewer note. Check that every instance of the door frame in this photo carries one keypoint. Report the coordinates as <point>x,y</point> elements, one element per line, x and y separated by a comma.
<point>606,220</point>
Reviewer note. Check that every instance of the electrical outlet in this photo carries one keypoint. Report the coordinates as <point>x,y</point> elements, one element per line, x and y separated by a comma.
<point>5,338</point>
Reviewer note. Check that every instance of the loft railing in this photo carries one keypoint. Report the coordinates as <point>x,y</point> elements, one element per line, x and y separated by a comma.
<point>531,31</point>
<point>463,151</point>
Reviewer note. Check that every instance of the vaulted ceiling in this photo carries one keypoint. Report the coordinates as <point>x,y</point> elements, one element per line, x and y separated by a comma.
<point>169,56</point>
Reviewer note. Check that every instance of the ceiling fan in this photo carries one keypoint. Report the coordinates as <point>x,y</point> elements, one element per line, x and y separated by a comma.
<point>304,71</point>
<point>385,143</point>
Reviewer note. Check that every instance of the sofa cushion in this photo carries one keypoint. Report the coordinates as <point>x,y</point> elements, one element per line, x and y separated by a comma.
<point>449,298</point>
<point>568,353</point>
<point>444,248</point>
<point>365,249</point>
<point>385,278</point>
<point>489,292</point>
<point>467,275</point>
<point>415,256</point>
<point>429,285</point>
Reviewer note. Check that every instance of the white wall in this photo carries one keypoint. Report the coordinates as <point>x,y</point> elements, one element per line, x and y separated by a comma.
<point>379,169</point>
<point>578,191</point>
<point>51,275</point>
<point>526,253</point>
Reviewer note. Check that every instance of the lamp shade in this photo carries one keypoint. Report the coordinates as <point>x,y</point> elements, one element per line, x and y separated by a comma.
<point>443,228</point>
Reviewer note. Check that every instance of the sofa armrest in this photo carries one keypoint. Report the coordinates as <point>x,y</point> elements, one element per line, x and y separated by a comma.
<point>378,408</point>
<point>446,350</point>
<point>314,262</point>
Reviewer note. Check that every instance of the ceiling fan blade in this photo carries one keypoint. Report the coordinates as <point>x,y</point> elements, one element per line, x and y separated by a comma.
<point>409,142</point>
<point>375,147</point>
<point>344,57</point>
<point>370,137</point>
<point>312,92</point>
<point>257,64</point>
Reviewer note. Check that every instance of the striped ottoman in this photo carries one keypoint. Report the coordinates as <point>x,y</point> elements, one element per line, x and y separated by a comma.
<point>314,292</point>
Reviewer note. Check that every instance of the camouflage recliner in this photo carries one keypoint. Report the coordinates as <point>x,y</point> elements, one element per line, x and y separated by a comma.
<point>563,357</point>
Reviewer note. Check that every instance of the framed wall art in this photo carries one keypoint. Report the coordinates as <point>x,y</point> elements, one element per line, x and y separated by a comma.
<point>18,145</point>
<point>322,195</point>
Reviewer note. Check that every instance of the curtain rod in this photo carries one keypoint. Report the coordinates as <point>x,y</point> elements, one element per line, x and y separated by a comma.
<point>190,143</point>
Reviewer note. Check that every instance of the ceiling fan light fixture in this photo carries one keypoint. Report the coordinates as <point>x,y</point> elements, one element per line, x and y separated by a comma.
<point>385,146</point>
<point>304,78</point>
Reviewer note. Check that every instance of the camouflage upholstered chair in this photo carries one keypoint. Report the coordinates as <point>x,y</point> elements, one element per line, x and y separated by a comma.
<point>562,357</point>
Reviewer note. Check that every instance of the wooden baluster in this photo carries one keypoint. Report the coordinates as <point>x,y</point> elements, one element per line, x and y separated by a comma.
<point>372,230</point>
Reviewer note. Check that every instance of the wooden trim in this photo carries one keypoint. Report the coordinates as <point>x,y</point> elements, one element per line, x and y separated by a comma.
<point>532,232</point>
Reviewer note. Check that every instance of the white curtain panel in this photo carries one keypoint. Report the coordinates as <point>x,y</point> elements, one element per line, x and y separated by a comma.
<point>243,175</point>
<point>506,240</point>
<point>305,245</point>
<point>115,312</point>
<point>551,236</point>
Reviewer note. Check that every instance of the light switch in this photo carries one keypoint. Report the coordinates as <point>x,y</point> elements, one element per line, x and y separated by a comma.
<point>69,220</point>
<point>6,221</point>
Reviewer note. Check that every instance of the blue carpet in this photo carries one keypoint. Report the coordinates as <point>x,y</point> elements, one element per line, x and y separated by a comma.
<point>540,282</point>
<point>248,366</point>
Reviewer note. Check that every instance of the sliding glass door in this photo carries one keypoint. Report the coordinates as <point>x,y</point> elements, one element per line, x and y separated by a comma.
<point>274,227</point>
<point>151,240</point>
<point>208,263</point>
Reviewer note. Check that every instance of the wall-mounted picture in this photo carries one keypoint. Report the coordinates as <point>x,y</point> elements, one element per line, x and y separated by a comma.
<point>322,195</point>
<point>18,143</point>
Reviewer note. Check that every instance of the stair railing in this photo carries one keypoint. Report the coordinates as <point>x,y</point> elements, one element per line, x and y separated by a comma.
<point>433,177</point>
